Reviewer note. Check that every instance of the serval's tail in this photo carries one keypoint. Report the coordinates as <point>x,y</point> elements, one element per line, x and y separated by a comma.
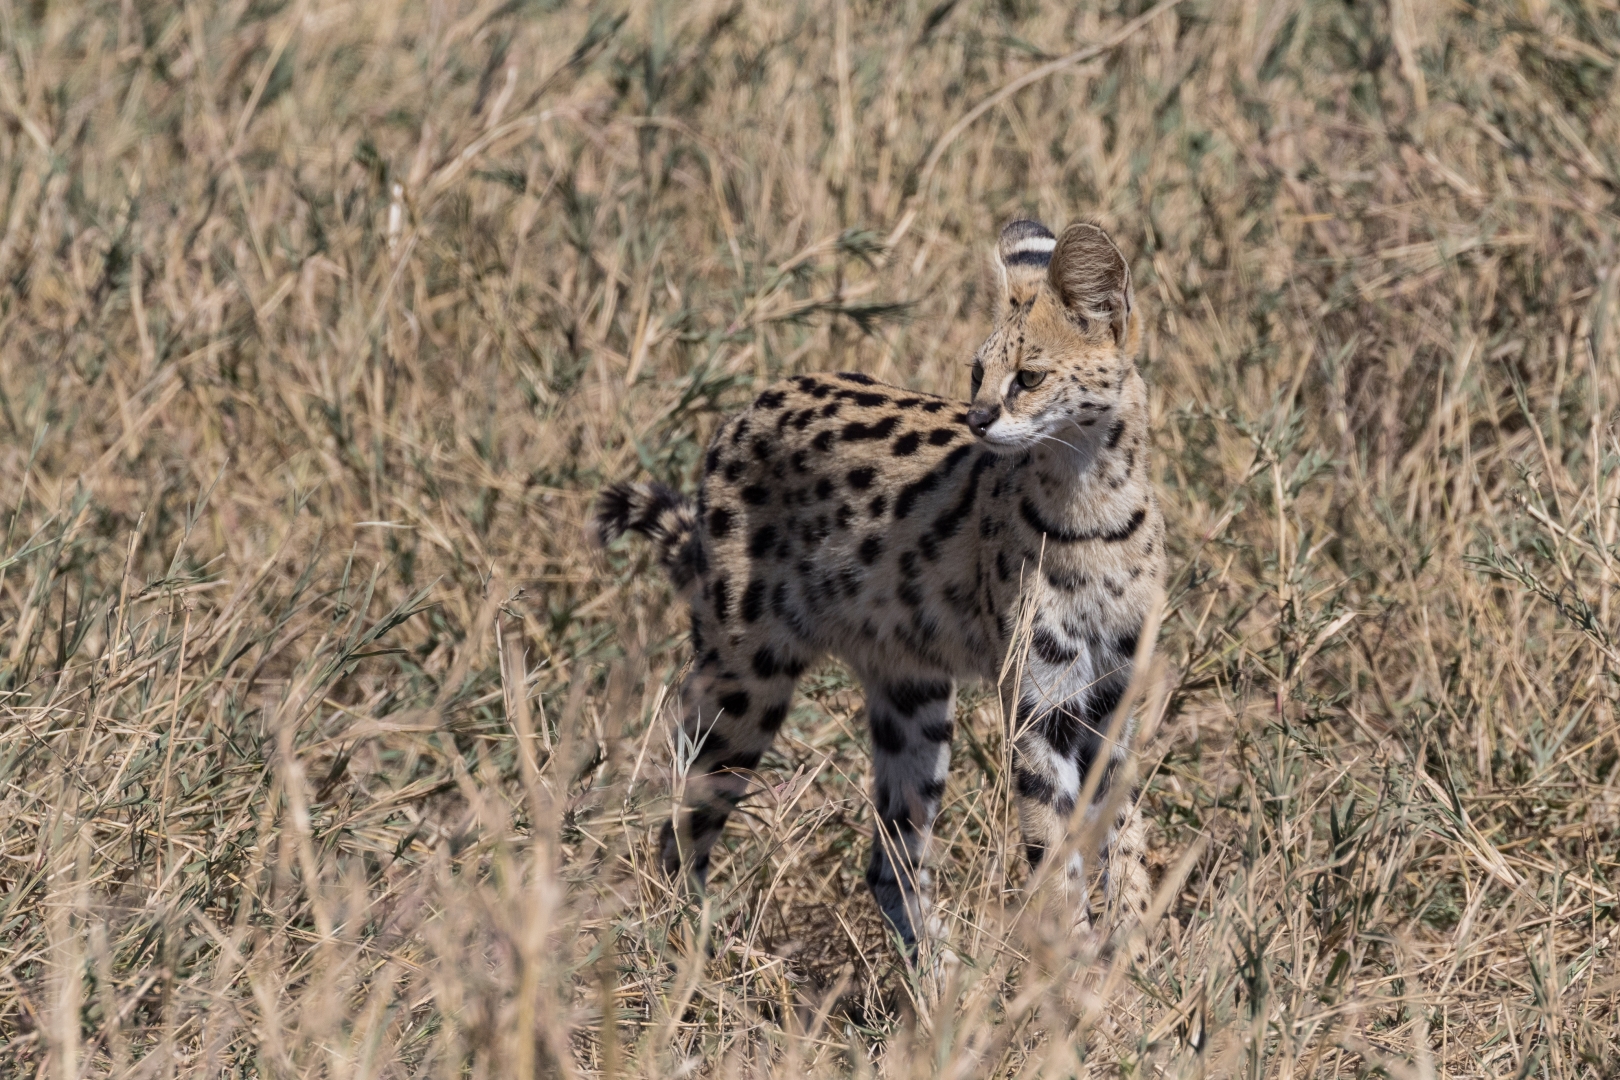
<point>662,515</point>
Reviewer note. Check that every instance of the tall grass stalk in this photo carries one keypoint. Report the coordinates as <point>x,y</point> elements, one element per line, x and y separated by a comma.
<point>327,749</point>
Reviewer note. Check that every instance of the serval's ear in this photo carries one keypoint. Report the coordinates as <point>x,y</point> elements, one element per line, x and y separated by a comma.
<point>1090,276</point>
<point>1021,257</point>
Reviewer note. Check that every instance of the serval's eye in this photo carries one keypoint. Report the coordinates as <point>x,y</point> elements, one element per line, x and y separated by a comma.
<point>1029,380</point>
<point>978,379</point>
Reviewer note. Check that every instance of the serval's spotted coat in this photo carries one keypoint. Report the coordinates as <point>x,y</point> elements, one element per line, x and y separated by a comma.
<point>895,530</point>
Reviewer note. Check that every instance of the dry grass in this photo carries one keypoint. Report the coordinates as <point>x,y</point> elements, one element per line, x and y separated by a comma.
<point>328,749</point>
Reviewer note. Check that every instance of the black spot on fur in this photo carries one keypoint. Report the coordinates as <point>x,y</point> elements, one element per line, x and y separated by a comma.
<point>1063,536</point>
<point>1074,730</point>
<point>914,491</point>
<point>855,430</point>
<point>845,515</point>
<point>719,522</point>
<point>1114,433</point>
<point>711,460</point>
<point>763,540</point>
<point>907,444</point>
<point>824,488</point>
<point>706,818</point>
<point>912,694</point>
<point>753,601</point>
<point>770,400</point>
<point>722,597</point>
<point>1126,644</point>
<point>771,717</point>
<point>929,480</point>
<point>1034,786</point>
<point>941,436</point>
<point>829,410</point>
<point>768,664</point>
<point>861,479</point>
<point>871,548</point>
<point>880,503</point>
<point>756,495</point>
<point>1050,649</point>
<point>714,743</point>
<point>1066,580</point>
<point>937,731</point>
<point>1034,853</point>
<point>947,524</point>
<point>896,818</point>
<point>823,440</point>
<point>1102,701</point>
<point>857,377</point>
<point>887,734</point>
<point>735,703</point>
<point>734,469</point>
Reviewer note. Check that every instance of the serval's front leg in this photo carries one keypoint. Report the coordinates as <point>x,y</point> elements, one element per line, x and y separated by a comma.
<point>911,721</point>
<point>1048,782</point>
<point>1055,749</point>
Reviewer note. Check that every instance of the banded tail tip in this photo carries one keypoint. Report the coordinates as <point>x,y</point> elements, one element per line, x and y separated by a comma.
<point>611,515</point>
<point>655,510</point>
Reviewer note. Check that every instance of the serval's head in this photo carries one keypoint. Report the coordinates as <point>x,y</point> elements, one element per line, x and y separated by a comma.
<point>1060,358</point>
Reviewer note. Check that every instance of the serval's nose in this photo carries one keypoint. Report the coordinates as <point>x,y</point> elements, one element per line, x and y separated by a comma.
<point>980,418</point>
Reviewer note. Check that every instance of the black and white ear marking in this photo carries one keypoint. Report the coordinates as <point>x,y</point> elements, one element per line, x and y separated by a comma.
<point>1026,243</point>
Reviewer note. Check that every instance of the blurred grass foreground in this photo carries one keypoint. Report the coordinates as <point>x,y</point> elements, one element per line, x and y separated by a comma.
<point>328,750</point>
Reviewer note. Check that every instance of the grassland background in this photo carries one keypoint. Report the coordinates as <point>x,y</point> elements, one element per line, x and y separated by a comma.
<point>328,749</point>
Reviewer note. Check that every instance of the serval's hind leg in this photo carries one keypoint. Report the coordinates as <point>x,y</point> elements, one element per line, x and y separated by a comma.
<point>733,709</point>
